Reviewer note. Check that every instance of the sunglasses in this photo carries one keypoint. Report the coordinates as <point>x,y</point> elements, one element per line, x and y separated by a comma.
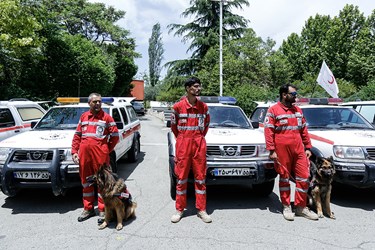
<point>294,94</point>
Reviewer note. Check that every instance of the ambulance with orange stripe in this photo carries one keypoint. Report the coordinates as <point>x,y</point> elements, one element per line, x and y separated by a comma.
<point>340,132</point>
<point>16,116</point>
<point>41,158</point>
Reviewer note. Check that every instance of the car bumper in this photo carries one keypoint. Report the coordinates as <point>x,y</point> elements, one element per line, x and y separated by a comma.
<point>361,175</point>
<point>60,176</point>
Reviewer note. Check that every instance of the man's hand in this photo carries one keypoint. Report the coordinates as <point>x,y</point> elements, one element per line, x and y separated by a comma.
<point>75,158</point>
<point>273,155</point>
<point>308,153</point>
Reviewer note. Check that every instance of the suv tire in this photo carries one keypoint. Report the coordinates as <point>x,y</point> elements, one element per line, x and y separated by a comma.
<point>133,153</point>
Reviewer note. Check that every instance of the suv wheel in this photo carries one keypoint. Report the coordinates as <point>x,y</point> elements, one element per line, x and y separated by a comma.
<point>264,189</point>
<point>134,150</point>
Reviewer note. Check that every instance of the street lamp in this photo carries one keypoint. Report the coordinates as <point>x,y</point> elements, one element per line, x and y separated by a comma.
<point>221,44</point>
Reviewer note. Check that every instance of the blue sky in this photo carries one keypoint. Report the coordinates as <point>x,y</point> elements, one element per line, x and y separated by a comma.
<point>276,19</point>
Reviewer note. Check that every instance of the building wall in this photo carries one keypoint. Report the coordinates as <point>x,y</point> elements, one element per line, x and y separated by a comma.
<point>139,90</point>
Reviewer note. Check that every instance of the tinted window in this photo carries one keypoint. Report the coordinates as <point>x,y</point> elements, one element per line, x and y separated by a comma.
<point>124,116</point>
<point>368,112</point>
<point>132,114</point>
<point>259,114</point>
<point>6,118</point>
<point>61,118</point>
<point>29,113</point>
<point>228,116</point>
<point>334,118</point>
<point>116,115</point>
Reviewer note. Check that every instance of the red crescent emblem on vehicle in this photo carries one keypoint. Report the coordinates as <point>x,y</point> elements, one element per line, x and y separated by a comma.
<point>331,82</point>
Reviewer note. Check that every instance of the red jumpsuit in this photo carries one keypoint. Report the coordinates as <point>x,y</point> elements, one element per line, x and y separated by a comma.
<point>286,132</point>
<point>96,136</point>
<point>190,124</point>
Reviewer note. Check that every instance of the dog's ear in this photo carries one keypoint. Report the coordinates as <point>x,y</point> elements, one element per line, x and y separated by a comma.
<point>319,161</point>
<point>330,159</point>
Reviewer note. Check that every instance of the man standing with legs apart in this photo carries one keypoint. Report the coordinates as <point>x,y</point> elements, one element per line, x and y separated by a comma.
<point>189,124</point>
<point>289,144</point>
<point>95,137</point>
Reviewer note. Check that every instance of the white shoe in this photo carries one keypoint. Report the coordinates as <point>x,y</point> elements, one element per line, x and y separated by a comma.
<point>288,213</point>
<point>177,216</point>
<point>204,216</point>
<point>307,213</point>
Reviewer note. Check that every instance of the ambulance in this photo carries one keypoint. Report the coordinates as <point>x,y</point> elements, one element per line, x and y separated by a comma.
<point>340,132</point>
<point>41,157</point>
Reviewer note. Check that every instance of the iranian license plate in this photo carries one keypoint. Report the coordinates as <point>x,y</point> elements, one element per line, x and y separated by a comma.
<point>35,175</point>
<point>231,172</point>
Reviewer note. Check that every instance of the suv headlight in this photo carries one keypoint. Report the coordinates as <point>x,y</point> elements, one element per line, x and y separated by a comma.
<point>4,153</point>
<point>348,152</point>
<point>262,151</point>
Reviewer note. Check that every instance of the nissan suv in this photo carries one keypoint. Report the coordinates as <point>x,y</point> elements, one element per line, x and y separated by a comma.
<point>236,152</point>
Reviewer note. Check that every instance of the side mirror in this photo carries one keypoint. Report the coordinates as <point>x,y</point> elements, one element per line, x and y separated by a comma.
<point>255,124</point>
<point>120,125</point>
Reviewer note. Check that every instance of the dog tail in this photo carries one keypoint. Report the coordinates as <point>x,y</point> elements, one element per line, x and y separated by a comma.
<point>130,210</point>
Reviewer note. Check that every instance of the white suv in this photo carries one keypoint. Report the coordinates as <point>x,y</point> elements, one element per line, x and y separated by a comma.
<point>342,133</point>
<point>16,116</point>
<point>41,158</point>
<point>236,152</point>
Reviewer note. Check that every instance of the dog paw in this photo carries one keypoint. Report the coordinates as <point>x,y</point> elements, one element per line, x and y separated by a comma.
<point>320,215</point>
<point>332,216</point>
<point>103,225</point>
<point>119,227</point>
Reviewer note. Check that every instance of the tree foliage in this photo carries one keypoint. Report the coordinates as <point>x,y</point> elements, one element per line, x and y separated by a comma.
<point>203,31</point>
<point>63,47</point>
<point>155,55</point>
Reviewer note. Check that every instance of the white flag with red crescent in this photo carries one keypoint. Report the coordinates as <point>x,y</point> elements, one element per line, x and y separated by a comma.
<point>328,81</point>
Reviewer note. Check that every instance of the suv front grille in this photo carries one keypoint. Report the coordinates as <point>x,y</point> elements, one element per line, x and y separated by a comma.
<point>231,151</point>
<point>35,155</point>
<point>371,153</point>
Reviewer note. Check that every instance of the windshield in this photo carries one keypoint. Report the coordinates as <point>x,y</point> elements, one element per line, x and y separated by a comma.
<point>228,116</point>
<point>334,118</point>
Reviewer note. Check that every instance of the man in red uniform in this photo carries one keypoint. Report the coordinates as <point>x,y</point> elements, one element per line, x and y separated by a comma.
<point>189,124</point>
<point>289,144</point>
<point>96,136</point>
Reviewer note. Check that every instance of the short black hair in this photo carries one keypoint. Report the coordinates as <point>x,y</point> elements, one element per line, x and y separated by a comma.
<point>191,81</point>
<point>284,89</point>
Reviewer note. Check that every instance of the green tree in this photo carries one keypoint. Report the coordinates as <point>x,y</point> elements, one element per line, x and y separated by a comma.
<point>155,55</point>
<point>18,39</point>
<point>203,31</point>
<point>361,65</point>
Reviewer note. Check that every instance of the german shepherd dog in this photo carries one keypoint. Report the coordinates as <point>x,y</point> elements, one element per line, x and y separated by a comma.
<point>116,198</point>
<point>321,186</point>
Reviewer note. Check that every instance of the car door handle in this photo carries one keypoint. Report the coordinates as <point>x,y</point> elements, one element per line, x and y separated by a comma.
<point>17,131</point>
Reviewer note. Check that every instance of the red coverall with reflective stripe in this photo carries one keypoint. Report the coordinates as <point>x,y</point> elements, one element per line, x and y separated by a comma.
<point>190,124</point>
<point>95,137</point>
<point>286,132</point>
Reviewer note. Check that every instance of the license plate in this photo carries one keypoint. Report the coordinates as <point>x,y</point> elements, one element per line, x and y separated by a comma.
<point>231,172</point>
<point>34,175</point>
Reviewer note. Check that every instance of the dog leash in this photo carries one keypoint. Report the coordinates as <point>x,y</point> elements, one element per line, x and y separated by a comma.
<point>281,165</point>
